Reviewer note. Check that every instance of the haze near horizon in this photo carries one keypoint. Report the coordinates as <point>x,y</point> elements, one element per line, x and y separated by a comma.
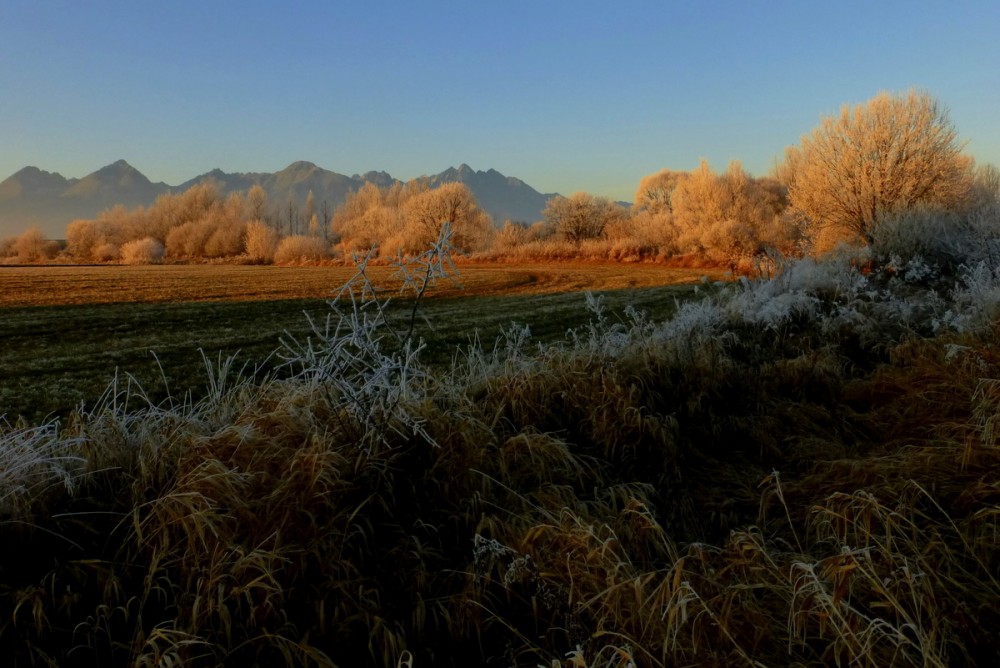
<point>566,96</point>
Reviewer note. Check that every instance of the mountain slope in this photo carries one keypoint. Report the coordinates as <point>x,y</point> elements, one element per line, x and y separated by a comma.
<point>504,197</point>
<point>32,196</point>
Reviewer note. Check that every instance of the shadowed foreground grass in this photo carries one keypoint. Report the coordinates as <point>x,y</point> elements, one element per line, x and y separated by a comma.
<point>795,472</point>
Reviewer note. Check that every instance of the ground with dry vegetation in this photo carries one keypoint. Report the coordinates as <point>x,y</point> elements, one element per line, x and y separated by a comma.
<point>793,471</point>
<point>54,285</point>
<point>66,331</point>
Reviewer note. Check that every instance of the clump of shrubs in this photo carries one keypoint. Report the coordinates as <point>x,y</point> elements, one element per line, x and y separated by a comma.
<point>260,242</point>
<point>142,251</point>
<point>29,247</point>
<point>301,250</point>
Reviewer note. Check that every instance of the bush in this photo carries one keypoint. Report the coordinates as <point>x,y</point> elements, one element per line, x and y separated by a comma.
<point>142,251</point>
<point>226,240</point>
<point>106,252</point>
<point>301,249</point>
<point>582,216</point>
<point>96,240</point>
<point>730,217</point>
<point>643,236</point>
<point>943,240</point>
<point>32,246</point>
<point>509,237</point>
<point>260,240</point>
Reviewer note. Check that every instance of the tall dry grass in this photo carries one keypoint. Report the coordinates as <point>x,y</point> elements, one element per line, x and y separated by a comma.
<point>793,471</point>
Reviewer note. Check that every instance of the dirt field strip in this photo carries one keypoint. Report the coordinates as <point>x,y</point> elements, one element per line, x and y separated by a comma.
<point>111,284</point>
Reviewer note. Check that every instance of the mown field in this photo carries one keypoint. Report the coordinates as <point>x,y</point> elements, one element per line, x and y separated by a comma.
<point>65,331</point>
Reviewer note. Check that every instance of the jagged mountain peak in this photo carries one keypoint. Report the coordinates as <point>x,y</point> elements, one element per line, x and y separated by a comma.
<point>460,173</point>
<point>117,167</point>
<point>33,176</point>
<point>117,178</point>
<point>300,166</point>
<point>35,197</point>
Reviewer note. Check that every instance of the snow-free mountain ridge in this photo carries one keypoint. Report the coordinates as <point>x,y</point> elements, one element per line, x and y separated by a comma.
<point>34,197</point>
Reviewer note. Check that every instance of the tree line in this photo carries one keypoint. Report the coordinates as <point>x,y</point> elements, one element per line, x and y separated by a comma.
<point>856,174</point>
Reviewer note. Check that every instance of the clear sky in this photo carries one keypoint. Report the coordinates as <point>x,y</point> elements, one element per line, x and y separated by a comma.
<point>565,95</point>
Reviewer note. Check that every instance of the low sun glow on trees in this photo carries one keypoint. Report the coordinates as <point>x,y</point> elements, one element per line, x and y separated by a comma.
<point>581,216</point>
<point>894,161</point>
<point>875,160</point>
<point>406,218</point>
<point>655,192</point>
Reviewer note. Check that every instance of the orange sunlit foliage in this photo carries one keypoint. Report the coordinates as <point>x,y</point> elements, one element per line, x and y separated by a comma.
<point>406,218</point>
<point>875,160</point>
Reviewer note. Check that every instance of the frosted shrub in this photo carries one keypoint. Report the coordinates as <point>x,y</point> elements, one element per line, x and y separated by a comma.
<point>924,242</point>
<point>366,360</point>
<point>301,249</point>
<point>983,224</point>
<point>976,300</point>
<point>840,297</point>
<point>32,246</point>
<point>32,460</point>
<point>106,252</point>
<point>697,326</point>
<point>452,204</point>
<point>510,236</point>
<point>181,240</point>
<point>226,240</point>
<point>196,223</point>
<point>371,228</point>
<point>605,336</point>
<point>81,237</point>
<point>142,251</point>
<point>260,240</point>
<point>641,236</point>
<point>582,216</point>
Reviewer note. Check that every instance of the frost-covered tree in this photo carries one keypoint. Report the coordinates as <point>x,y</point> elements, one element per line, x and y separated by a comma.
<point>260,241</point>
<point>874,160</point>
<point>257,202</point>
<point>655,191</point>
<point>32,246</point>
<point>348,223</point>
<point>310,211</point>
<point>731,216</point>
<point>451,203</point>
<point>985,186</point>
<point>581,215</point>
<point>82,236</point>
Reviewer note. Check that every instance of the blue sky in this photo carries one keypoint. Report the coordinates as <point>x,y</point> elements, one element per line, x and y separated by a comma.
<point>565,95</point>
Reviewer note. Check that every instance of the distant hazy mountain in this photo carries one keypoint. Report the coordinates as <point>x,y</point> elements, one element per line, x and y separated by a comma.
<point>32,196</point>
<point>504,197</point>
<point>50,201</point>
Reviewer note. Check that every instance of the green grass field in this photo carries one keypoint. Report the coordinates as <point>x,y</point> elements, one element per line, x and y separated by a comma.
<point>66,331</point>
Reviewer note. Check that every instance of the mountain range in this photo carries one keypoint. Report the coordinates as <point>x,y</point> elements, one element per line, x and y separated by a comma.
<point>34,197</point>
